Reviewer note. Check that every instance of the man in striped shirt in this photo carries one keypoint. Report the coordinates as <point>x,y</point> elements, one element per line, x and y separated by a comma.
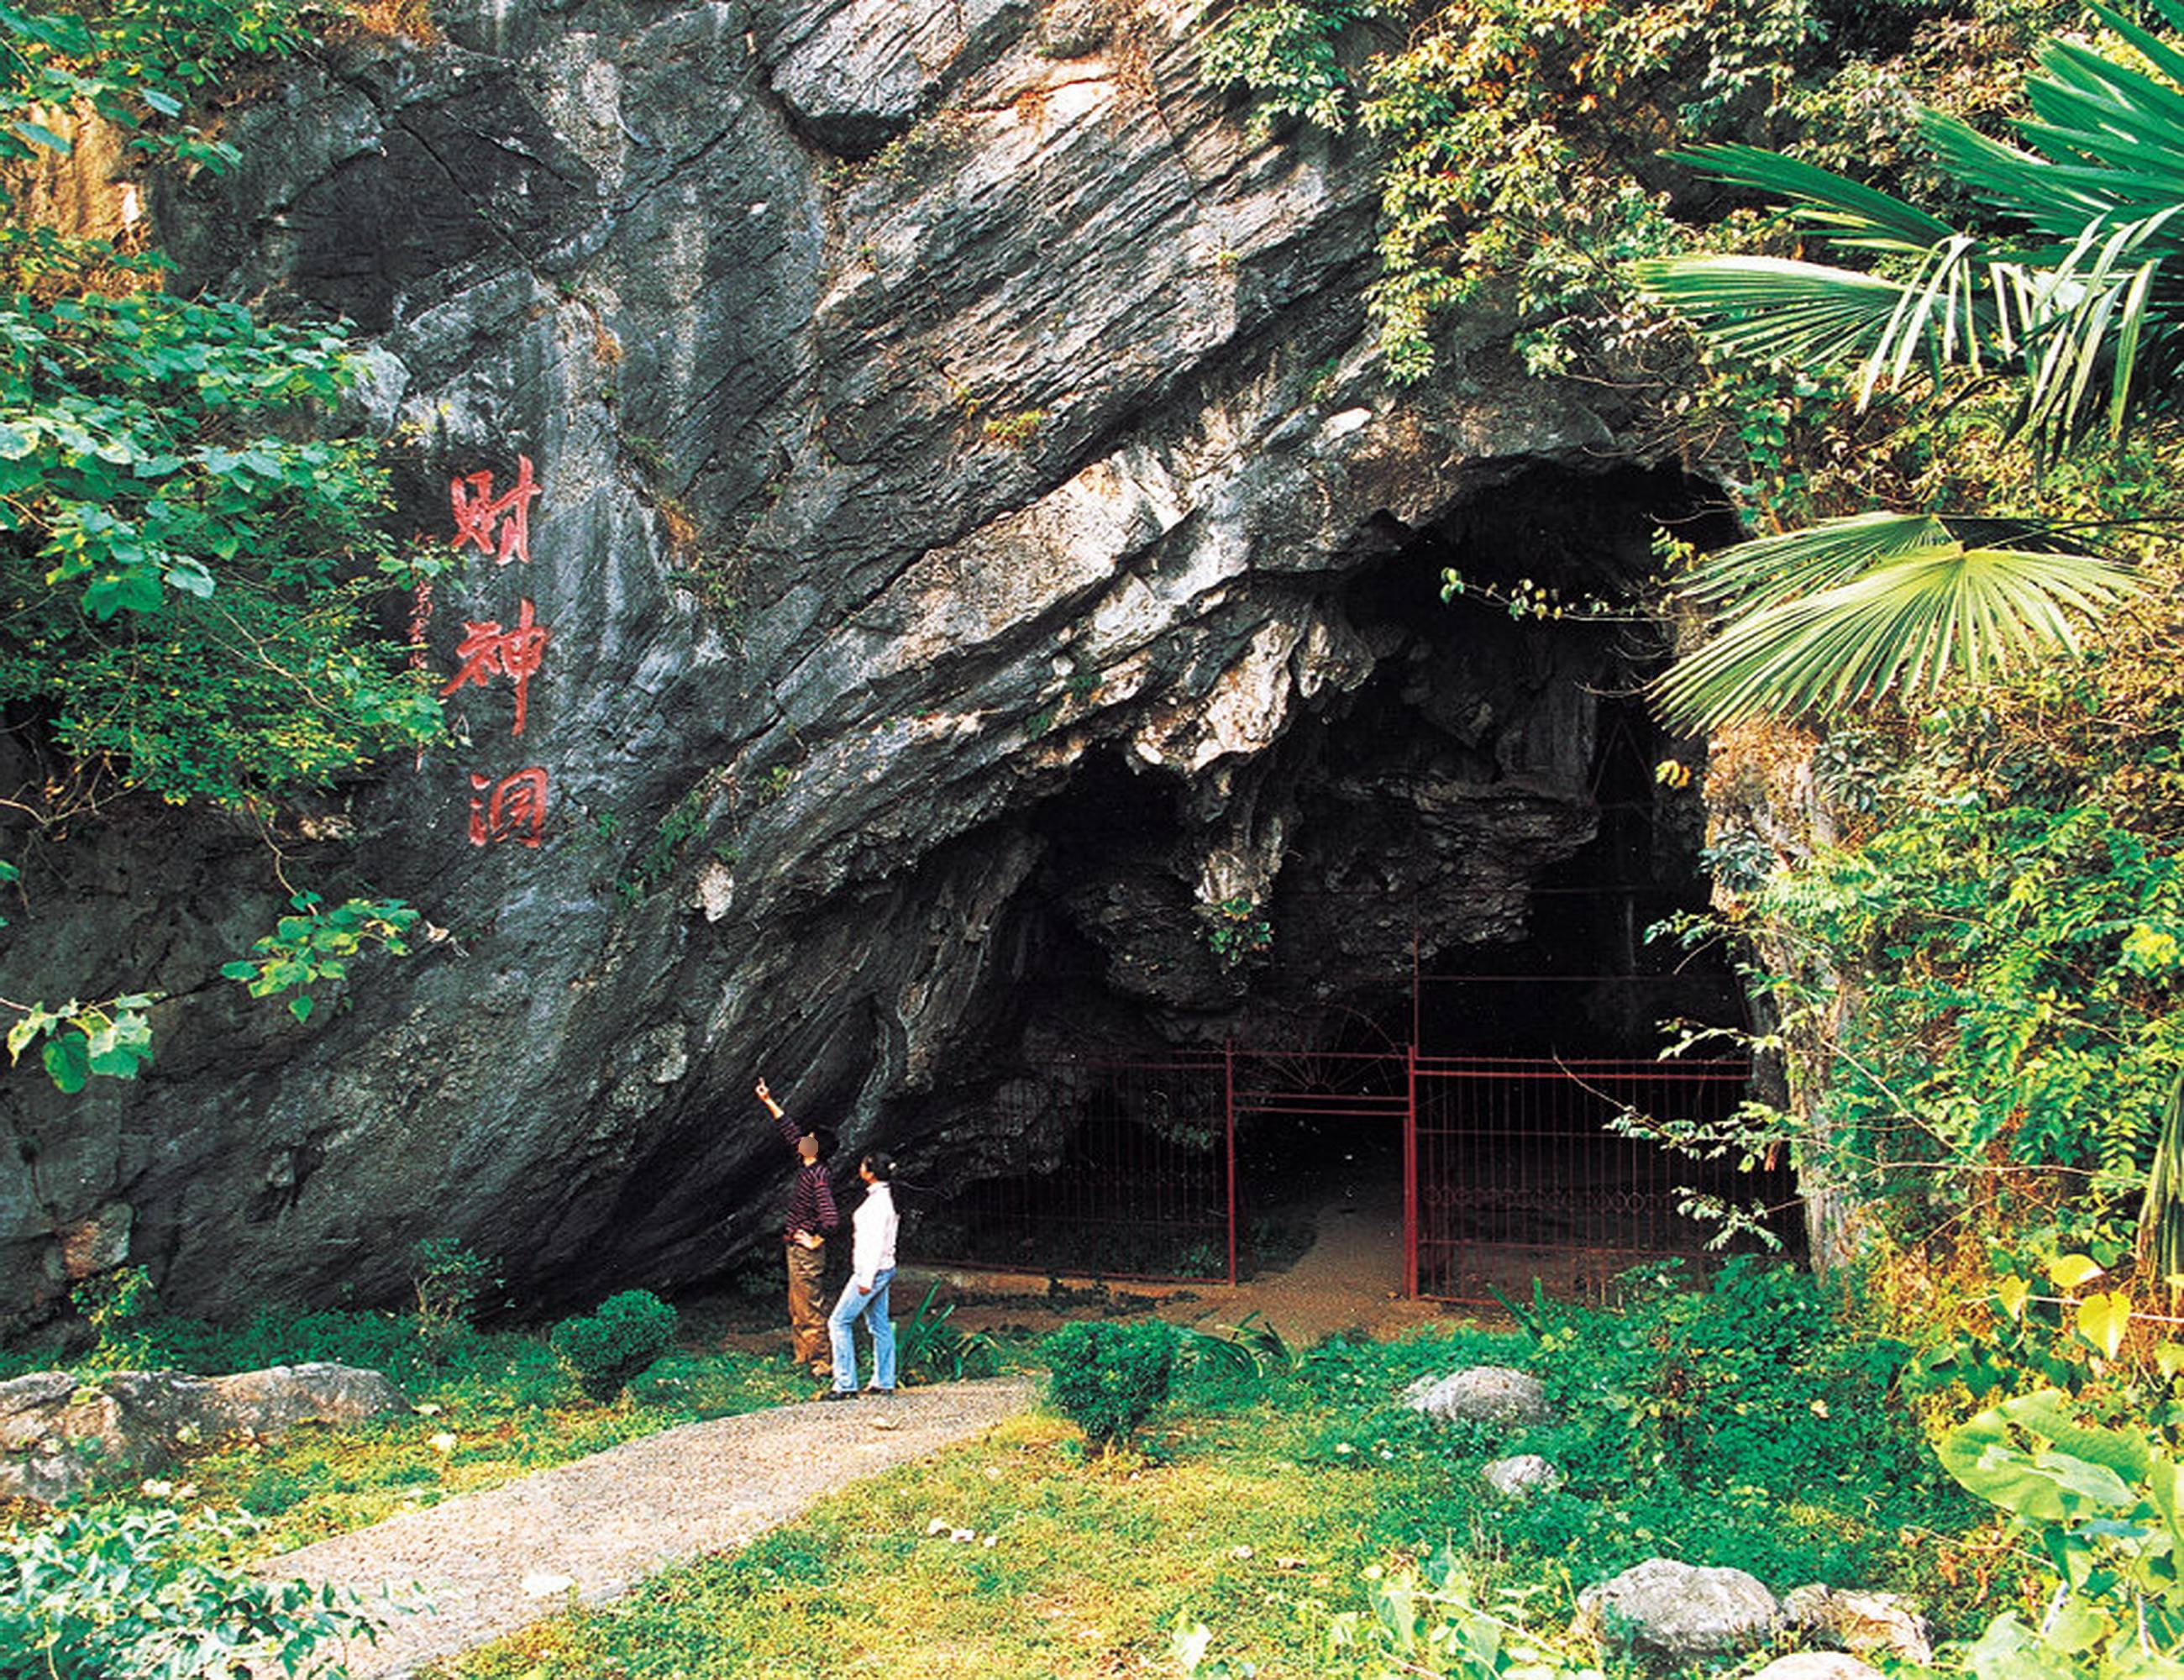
<point>809,1216</point>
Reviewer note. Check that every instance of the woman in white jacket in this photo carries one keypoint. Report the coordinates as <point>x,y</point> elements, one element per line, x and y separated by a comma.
<point>865,1296</point>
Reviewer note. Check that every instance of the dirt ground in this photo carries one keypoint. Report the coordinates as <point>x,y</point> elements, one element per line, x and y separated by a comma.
<point>1350,1278</point>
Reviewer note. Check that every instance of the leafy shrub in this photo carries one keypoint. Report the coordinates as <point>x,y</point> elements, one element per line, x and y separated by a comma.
<point>449,1279</point>
<point>117,1594</point>
<point>1109,1378</point>
<point>2100,1506</point>
<point>606,1349</point>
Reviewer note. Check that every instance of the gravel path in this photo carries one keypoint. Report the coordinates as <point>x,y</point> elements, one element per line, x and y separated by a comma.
<point>495,1562</point>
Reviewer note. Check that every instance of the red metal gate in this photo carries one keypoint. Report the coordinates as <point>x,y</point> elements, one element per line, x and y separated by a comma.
<point>1131,1176</point>
<point>1509,1170</point>
<point>1512,1173</point>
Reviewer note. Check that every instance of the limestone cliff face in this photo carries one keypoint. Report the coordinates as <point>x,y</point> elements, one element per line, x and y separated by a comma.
<point>972,541</point>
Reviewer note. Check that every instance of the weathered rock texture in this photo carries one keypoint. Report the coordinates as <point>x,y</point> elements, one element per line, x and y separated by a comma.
<point>58,1439</point>
<point>1860,1621</point>
<point>976,541</point>
<point>1489,1393</point>
<point>1675,1610</point>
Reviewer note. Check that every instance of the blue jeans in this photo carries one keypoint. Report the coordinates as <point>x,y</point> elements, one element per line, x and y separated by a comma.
<point>873,1309</point>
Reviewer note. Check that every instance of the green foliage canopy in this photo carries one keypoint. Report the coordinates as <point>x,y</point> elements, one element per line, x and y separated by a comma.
<point>183,582</point>
<point>1508,128</point>
<point>187,555</point>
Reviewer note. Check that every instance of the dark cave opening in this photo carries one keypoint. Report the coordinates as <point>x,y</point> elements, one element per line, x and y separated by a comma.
<point>1476,844</point>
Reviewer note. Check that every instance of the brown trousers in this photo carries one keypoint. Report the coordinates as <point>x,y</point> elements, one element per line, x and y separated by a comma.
<point>807,1325</point>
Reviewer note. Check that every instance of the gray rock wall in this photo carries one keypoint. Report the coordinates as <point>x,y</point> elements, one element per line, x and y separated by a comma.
<point>973,537</point>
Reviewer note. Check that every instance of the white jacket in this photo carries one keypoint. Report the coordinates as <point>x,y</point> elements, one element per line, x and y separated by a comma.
<point>873,1226</point>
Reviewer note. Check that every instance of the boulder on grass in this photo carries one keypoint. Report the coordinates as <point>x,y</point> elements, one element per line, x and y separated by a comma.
<point>58,1437</point>
<point>1489,1393</point>
<point>1521,1477</point>
<point>1674,1609</point>
<point>1860,1621</point>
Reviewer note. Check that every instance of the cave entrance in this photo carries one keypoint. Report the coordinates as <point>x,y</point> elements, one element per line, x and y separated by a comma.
<point>1441,872</point>
<point>1185,1169</point>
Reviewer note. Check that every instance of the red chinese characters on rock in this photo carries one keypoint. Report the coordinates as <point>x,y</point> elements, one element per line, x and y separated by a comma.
<point>487,651</point>
<point>500,526</point>
<point>512,808</point>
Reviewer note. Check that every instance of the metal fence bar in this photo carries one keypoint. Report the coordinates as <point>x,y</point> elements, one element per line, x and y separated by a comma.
<point>1515,1162</point>
<point>1229,1111</point>
<point>1411,1172</point>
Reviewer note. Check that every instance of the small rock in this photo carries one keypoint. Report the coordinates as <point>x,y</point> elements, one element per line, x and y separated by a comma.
<point>541,1586</point>
<point>1489,1393</point>
<point>1860,1621</point>
<point>1516,1477</point>
<point>1677,1610</point>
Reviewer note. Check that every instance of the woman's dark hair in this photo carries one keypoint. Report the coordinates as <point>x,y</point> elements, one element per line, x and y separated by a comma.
<point>880,1164</point>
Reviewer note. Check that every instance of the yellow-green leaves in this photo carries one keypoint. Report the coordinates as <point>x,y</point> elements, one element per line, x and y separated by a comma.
<point>2072,1271</point>
<point>315,945</point>
<point>2103,1319</point>
<point>77,1040</point>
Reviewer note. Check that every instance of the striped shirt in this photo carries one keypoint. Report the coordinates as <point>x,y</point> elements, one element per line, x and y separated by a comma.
<point>811,1192</point>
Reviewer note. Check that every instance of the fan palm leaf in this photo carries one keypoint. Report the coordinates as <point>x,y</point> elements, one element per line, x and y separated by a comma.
<point>1914,605</point>
<point>1757,574</point>
<point>2072,295</point>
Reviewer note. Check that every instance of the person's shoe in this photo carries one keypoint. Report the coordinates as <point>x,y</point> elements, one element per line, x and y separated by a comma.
<point>885,1393</point>
<point>839,1395</point>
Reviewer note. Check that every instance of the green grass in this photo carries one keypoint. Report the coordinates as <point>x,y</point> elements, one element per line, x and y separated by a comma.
<point>1749,1426</point>
<point>492,1407</point>
<point>1257,1504</point>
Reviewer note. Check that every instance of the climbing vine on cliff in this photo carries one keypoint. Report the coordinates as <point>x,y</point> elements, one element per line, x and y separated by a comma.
<point>1510,128</point>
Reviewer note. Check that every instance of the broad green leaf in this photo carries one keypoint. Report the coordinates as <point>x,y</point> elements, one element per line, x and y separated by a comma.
<point>120,1049</point>
<point>68,1061</point>
<point>2010,1650</point>
<point>2050,1415</point>
<point>39,135</point>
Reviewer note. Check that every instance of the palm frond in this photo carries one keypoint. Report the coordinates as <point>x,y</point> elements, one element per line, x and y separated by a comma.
<point>1915,618</point>
<point>1843,211</point>
<point>1776,309</point>
<point>1755,576</point>
<point>2021,185</point>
